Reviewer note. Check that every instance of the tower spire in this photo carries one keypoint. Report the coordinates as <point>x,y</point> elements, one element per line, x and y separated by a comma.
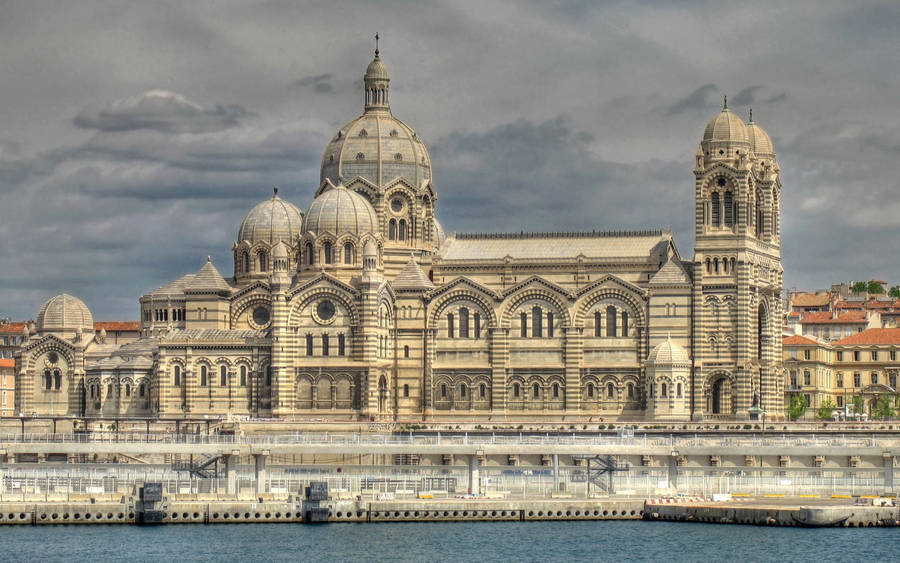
<point>725,103</point>
<point>751,115</point>
<point>376,43</point>
<point>377,83</point>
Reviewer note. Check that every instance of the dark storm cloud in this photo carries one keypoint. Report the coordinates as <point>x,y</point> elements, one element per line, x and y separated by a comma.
<point>160,110</point>
<point>699,99</point>
<point>549,116</point>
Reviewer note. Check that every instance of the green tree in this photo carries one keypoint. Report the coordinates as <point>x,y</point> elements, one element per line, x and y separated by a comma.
<point>859,405</point>
<point>824,412</point>
<point>894,292</point>
<point>859,287</point>
<point>874,287</point>
<point>884,408</point>
<point>798,406</point>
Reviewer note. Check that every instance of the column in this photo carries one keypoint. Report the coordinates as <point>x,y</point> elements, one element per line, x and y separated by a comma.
<point>888,472</point>
<point>474,475</point>
<point>673,470</point>
<point>260,463</point>
<point>231,465</point>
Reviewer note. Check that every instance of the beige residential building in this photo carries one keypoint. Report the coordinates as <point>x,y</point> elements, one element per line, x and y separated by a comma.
<point>362,308</point>
<point>7,387</point>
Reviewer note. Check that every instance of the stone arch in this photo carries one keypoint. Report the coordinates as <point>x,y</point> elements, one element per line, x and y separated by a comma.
<point>303,387</point>
<point>589,301</point>
<point>720,393</point>
<point>301,301</point>
<point>463,293</point>
<point>514,301</point>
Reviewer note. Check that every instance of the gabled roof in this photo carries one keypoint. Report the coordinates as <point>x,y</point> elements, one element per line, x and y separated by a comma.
<point>176,287</point>
<point>671,273</point>
<point>826,317</point>
<point>208,279</point>
<point>798,340</point>
<point>872,336</point>
<point>811,300</point>
<point>15,327</point>
<point>412,277</point>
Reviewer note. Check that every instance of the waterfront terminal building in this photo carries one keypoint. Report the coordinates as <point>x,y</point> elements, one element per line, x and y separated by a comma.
<point>362,308</point>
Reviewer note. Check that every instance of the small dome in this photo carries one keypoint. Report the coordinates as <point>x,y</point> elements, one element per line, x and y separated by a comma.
<point>668,353</point>
<point>376,70</point>
<point>338,210</point>
<point>760,141</point>
<point>279,252</point>
<point>725,126</point>
<point>271,221</point>
<point>370,250</point>
<point>65,313</point>
<point>437,234</point>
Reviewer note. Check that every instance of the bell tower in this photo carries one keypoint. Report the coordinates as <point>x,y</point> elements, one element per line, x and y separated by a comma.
<point>737,273</point>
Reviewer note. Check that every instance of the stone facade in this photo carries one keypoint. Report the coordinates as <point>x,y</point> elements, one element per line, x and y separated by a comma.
<point>362,308</point>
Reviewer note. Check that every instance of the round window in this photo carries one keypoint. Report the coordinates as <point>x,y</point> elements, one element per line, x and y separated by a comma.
<point>721,182</point>
<point>53,357</point>
<point>325,310</point>
<point>261,316</point>
<point>397,205</point>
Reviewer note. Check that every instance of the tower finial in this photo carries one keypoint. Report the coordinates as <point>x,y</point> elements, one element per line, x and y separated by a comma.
<point>725,104</point>
<point>275,190</point>
<point>376,43</point>
<point>751,115</point>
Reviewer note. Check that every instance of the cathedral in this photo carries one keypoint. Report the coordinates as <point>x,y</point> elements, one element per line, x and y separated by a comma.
<point>362,308</point>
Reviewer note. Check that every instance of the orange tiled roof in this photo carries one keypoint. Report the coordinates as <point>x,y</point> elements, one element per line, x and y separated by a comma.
<point>118,326</point>
<point>797,340</point>
<point>871,336</point>
<point>794,314</point>
<point>873,304</point>
<point>7,363</point>
<point>810,300</point>
<point>824,317</point>
<point>850,305</point>
<point>12,327</point>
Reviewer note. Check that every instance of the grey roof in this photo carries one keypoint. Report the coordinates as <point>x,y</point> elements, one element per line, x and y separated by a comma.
<point>271,221</point>
<point>65,312</point>
<point>412,277</point>
<point>208,278</point>
<point>553,246</point>
<point>180,336</point>
<point>671,273</point>
<point>176,287</point>
<point>338,210</point>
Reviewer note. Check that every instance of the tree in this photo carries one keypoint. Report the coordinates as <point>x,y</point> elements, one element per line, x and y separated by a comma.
<point>874,287</point>
<point>859,405</point>
<point>798,406</point>
<point>859,287</point>
<point>894,292</point>
<point>824,412</point>
<point>884,408</point>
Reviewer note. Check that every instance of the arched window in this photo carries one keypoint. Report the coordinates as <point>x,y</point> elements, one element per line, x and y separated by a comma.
<point>536,390</point>
<point>401,229</point>
<point>406,351</point>
<point>463,390</point>
<point>523,324</point>
<point>610,321</point>
<point>708,266</point>
<point>537,322</point>
<point>324,344</point>
<point>223,376</point>
<point>732,265</point>
<point>597,319</point>
<point>262,261</point>
<point>610,390</point>
<point>127,389</point>
<point>556,390</point>
<point>177,371</point>
<point>268,376</point>
<point>326,249</point>
<point>590,390</point>
<point>48,380</point>
<point>665,391</point>
<point>57,379</point>
<point>348,253</point>
<point>678,390</point>
<point>716,265</point>
<point>309,345</point>
<point>243,376</point>
<point>624,323</point>
<point>203,376</point>
<point>246,263</point>
<point>482,390</point>
<point>406,389</point>
<point>729,209</point>
<point>631,390</point>
<point>477,325</point>
<point>443,390</point>
<point>549,324</point>
<point>716,210</point>
<point>450,327</point>
<point>463,323</point>
<point>310,257</point>
<point>109,390</point>
<point>392,229</point>
<point>342,347</point>
<point>142,390</point>
<point>517,390</point>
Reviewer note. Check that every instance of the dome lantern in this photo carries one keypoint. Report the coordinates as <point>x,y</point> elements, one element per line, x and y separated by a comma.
<point>377,83</point>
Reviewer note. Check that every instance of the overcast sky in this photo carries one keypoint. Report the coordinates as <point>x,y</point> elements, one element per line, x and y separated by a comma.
<point>134,136</point>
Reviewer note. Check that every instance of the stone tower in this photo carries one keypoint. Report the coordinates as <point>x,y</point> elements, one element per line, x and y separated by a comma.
<point>737,272</point>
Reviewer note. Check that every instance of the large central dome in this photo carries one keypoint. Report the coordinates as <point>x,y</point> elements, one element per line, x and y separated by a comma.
<point>376,145</point>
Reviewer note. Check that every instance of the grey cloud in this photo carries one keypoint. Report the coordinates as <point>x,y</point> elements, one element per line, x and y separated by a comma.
<point>699,99</point>
<point>321,83</point>
<point>160,110</point>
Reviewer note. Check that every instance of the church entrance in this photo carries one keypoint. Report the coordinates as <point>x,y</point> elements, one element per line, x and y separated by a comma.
<point>720,397</point>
